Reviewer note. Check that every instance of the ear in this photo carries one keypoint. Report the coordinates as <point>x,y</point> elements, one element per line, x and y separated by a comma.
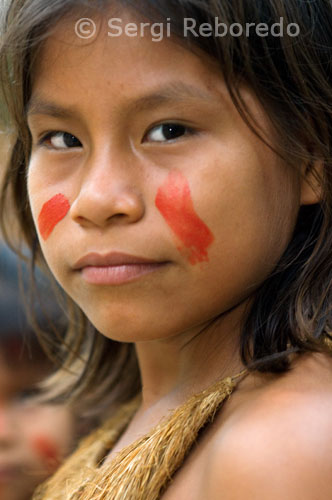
<point>311,183</point>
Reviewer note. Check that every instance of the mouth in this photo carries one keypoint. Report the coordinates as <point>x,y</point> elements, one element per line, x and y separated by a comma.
<point>7,473</point>
<point>115,268</point>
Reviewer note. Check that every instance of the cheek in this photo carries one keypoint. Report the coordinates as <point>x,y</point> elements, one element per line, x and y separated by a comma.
<point>174,202</point>
<point>52,212</point>
<point>47,450</point>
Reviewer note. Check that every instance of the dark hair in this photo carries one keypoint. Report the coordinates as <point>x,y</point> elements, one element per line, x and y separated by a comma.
<point>291,77</point>
<point>14,283</point>
<point>22,307</point>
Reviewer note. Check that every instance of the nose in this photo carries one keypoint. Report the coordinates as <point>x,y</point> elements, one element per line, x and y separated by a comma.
<point>109,192</point>
<point>8,428</point>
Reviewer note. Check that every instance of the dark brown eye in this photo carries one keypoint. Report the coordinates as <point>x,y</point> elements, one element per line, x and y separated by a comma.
<point>61,140</point>
<point>70,141</point>
<point>167,132</point>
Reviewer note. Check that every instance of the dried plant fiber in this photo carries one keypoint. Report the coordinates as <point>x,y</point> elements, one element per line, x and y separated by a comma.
<point>142,470</point>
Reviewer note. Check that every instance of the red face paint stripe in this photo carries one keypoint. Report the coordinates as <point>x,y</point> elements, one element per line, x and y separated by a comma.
<point>46,449</point>
<point>174,202</point>
<point>51,213</point>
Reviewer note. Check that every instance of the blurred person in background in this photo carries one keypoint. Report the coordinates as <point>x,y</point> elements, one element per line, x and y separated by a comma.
<point>34,437</point>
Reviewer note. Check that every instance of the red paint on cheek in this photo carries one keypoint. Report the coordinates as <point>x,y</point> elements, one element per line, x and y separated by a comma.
<point>51,213</point>
<point>47,449</point>
<point>174,202</point>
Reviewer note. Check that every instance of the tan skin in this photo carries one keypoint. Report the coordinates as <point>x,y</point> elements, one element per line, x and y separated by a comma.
<point>242,191</point>
<point>23,424</point>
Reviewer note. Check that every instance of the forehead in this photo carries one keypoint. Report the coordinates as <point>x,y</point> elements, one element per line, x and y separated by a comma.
<point>118,75</point>
<point>19,372</point>
<point>129,63</point>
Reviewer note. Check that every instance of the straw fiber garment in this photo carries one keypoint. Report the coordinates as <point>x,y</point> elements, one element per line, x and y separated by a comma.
<point>142,470</point>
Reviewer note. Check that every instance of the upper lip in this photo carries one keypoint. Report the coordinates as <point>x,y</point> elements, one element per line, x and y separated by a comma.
<point>111,259</point>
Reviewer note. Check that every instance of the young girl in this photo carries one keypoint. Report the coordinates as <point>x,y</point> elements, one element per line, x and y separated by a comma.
<point>179,188</point>
<point>34,438</point>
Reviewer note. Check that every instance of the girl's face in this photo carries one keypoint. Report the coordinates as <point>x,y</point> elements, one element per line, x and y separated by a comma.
<point>145,154</point>
<point>34,439</point>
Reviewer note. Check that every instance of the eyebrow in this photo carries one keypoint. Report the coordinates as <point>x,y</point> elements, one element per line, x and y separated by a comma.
<point>176,91</point>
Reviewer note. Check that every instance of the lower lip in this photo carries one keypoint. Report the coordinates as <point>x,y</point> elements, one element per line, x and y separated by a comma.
<point>116,275</point>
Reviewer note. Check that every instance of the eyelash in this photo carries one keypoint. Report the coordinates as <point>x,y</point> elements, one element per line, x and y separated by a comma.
<point>189,131</point>
<point>50,135</point>
<point>25,394</point>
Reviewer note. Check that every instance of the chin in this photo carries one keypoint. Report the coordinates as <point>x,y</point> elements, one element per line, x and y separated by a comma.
<point>120,331</point>
<point>129,335</point>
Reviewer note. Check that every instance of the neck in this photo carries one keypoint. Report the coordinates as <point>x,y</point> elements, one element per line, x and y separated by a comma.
<point>175,368</point>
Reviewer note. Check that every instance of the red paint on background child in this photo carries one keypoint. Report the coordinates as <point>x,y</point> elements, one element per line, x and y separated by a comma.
<point>52,212</point>
<point>174,202</point>
<point>47,450</point>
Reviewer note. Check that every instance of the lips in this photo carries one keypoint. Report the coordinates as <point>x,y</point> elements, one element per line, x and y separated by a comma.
<point>8,472</point>
<point>115,268</point>
<point>111,259</point>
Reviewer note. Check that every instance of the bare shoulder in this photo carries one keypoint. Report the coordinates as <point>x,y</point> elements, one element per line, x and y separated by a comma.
<point>280,444</point>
